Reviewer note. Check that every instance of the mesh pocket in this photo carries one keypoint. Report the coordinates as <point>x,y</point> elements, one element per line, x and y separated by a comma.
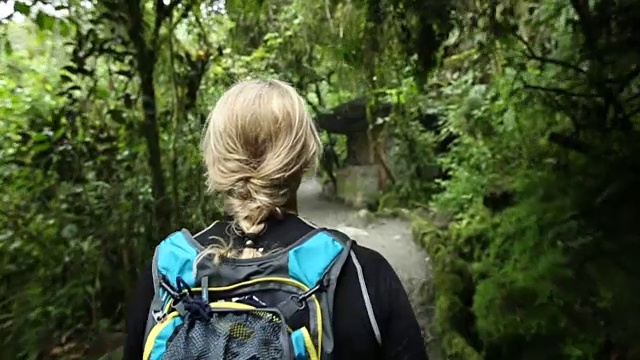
<point>247,335</point>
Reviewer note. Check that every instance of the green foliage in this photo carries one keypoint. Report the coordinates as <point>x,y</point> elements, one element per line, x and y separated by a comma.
<point>101,112</point>
<point>413,152</point>
<point>526,281</point>
<point>78,220</point>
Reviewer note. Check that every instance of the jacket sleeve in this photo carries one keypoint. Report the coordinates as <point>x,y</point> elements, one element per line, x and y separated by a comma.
<point>399,329</point>
<point>137,312</point>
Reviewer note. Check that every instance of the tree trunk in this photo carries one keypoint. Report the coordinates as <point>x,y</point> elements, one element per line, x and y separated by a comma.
<point>151,134</point>
<point>145,66</point>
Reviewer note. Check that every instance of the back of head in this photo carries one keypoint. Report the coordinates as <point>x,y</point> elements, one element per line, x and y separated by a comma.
<point>258,142</point>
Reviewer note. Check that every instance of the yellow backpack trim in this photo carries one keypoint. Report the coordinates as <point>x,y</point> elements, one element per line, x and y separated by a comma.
<point>308,343</point>
<point>153,334</point>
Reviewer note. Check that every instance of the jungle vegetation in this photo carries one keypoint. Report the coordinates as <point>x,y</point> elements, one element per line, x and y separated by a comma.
<point>102,104</point>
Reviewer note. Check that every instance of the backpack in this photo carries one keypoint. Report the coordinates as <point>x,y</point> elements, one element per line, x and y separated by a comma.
<point>278,306</point>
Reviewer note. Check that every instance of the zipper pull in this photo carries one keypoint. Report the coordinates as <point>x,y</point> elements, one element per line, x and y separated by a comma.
<point>322,285</point>
<point>310,292</point>
<point>166,285</point>
<point>159,316</point>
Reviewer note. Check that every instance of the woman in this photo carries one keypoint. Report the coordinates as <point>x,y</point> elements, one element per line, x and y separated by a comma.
<point>257,144</point>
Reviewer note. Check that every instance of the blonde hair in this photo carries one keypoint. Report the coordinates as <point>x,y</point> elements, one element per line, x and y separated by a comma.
<point>257,143</point>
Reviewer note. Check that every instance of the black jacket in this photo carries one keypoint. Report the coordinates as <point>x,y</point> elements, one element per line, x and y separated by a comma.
<point>354,336</point>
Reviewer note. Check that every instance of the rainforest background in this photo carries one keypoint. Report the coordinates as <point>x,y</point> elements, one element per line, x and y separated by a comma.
<point>102,104</point>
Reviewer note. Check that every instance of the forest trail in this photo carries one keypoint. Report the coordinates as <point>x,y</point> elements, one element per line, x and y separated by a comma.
<point>391,237</point>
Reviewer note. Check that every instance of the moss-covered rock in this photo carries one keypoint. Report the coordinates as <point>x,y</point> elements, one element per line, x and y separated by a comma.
<point>357,185</point>
<point>449,290</point>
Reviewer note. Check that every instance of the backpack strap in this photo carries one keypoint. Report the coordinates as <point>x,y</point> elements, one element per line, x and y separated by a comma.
<point>174,257</point>
<point>366,297</point>
<point>363,288</point>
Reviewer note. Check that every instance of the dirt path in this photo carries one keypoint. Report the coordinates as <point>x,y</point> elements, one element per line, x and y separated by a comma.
<point>391,237</point>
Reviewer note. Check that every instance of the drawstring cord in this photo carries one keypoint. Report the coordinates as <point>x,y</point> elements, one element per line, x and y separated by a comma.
<point>198,310</point>
<point>185,301</point>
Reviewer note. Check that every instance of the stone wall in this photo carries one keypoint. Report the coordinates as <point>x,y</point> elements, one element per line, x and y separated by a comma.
<point>358,185</point>
<point>359,150</point>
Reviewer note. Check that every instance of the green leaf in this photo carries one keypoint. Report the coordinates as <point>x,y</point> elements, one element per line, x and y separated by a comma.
<point>41,148</point>
<point>39,137</point>
<point>117,115</point>
<point>45,21</point>
<point>22,8</point>
<point>69,231</point>
<point>8,49</point>
<point>64,29</point>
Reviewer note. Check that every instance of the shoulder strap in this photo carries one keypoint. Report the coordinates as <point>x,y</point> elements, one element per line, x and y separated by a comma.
<point>363,289</point>
<point>173,257</point>
<point>366,297</point>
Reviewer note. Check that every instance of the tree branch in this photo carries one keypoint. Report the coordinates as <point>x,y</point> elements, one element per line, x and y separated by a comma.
<point>313,106</point>
<point>598,78</point>
<point>568,111</point>
<point>628,79</point>
<point>163,12</point>
<point>187,9</point>
<point>318,93</point>
<point>203,32</point>
<point>633,97</point>
<point>581,8</point>
<point>559,91</point>
<point>571,143</point>
<point>531,53</point>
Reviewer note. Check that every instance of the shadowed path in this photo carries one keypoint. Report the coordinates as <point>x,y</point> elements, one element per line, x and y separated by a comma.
<point>391,237</point>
